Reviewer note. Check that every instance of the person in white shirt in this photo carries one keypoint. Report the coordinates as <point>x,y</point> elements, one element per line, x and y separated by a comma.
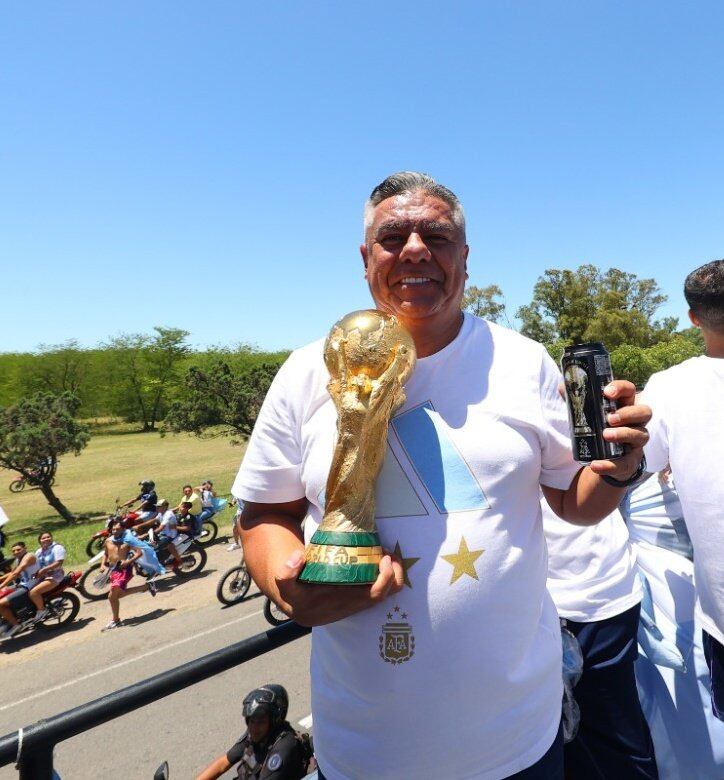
<point>50,555</point>
<point>687,432</point>
<point>457,642</point>
<point>672,672</point>
<point>593,580</point>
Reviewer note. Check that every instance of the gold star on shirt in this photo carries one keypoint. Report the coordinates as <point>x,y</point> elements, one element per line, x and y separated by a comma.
<point>463,561</point>
<point>407,563</point>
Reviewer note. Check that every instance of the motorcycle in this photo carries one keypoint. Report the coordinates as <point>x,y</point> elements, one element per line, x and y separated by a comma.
<point>209,530</point>
<point>233,586</point>
<point>94,584</point>
<point>18,484</point>
<point>62,606</point>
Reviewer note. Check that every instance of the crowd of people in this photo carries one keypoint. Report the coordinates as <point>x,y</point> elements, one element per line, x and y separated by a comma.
<point>503,544</point>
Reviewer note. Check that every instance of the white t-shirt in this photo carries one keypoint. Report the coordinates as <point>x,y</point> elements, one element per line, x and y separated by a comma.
<point>54,553</point>
<point>592,571</point>
<point>687,431</point>
<point>467,659</point>
<point>688,739</point>
<point>168,523</point>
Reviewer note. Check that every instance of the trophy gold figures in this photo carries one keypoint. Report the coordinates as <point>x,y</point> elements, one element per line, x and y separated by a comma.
<point>369,356</point>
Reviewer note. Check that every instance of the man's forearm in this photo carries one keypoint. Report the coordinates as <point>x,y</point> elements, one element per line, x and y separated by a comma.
<point>268,543</point>
<point>588,500</point>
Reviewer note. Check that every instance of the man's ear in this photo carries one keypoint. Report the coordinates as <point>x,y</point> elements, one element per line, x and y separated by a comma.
<point>363,252</point>
<point>694,319</point>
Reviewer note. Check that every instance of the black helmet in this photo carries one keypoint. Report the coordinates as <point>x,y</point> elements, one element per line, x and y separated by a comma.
<point>147,483</point>
<point>271,698</point>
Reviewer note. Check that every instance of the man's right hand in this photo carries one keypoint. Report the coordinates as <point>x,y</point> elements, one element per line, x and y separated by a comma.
<point>317,605</point>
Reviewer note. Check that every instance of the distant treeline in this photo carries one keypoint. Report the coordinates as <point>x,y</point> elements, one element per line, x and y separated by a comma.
<point>136,377</point>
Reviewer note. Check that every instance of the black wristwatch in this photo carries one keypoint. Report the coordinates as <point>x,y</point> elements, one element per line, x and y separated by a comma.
<point>626,482</point>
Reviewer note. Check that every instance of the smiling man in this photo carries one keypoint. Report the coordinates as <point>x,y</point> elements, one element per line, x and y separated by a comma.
<point>457,643</point>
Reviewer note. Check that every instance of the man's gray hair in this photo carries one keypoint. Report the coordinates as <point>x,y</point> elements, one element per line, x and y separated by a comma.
<point>405,182</point>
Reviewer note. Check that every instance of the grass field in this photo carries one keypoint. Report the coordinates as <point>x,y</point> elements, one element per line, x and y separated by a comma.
<point>109,467</point>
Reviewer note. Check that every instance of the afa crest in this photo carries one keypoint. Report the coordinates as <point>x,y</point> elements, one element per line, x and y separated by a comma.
<point>397,642</point>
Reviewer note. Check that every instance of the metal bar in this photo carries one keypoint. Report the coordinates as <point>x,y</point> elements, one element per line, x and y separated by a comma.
<point>87,716</point>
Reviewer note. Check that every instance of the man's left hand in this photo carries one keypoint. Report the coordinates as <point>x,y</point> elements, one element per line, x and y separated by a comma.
<point>627,427</point>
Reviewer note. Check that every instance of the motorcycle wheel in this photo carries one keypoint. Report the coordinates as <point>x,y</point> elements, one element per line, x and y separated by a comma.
<point>233,585</point>
<point>17,485</point>
<point>87,588</point>
<point>192,561</point>
<point>273,614</point>
<point>63,609</point>
<point>94,546</point>
<point>209,532</point>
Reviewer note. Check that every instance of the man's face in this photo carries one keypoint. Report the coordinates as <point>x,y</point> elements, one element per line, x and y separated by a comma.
<point>18,551</point>
<point>187,491</point>
<point>259,726</point>
<point>118,530</point>
<point>415,259</point>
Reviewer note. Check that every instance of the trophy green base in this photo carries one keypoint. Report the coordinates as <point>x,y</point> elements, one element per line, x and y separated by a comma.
<point>342,558</point>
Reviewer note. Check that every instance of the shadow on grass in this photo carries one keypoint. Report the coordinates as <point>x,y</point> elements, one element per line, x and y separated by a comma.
<point>56,524</point>
<point>152,615</point>
<point>36,635</point>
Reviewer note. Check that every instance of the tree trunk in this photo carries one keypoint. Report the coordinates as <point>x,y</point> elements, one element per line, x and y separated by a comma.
<point>56,503</point>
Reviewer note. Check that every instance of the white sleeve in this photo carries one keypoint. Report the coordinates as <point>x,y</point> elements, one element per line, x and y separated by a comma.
<point>59,552</point>
<point>657,447</point>
<point>557,465</point>
<point>270,472</point>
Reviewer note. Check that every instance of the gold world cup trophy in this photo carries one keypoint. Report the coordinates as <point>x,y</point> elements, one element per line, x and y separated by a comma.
<point>369,356</point>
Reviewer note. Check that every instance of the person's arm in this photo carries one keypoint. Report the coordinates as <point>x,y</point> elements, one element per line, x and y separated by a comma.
<point>130,502</point>
<point>274,554</point>
<point>26,561</point>
<point>104,562</point>
<point>135,555</point>
<point>589,498</point>
<point>146,524</point>
<point>58,564</point>
<point>216,769</point>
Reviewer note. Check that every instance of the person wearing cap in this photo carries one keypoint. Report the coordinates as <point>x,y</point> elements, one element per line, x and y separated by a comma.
<point>148,499</point>
<point>269,749</point>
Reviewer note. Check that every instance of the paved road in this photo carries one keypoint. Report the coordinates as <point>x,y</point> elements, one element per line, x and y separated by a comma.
<point>42,676</point>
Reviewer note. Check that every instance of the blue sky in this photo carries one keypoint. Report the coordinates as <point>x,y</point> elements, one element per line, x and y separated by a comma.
<point>204,164</point>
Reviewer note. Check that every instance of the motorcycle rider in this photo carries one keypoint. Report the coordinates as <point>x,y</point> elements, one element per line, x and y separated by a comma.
<point>270,749</point>
<point>148,499</point>
<point>25,570</point>
<point>189,494</point>
<point>118,555</point>
<point>166,531</point>
<point>208,507</point>
<point>50,555</point>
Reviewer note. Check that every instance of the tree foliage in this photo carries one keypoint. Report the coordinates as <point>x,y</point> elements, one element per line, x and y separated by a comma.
<point>637,364</point>
<point>40,428</point>
<point>587,304</point>
<point>218,400</point>
<point>481,301</point>
<point>146,372</point>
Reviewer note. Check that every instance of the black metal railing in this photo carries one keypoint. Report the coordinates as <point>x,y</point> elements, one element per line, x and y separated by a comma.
<point>31,748</point>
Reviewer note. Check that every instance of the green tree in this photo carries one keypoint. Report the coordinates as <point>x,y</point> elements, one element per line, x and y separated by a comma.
<point>218,401</point>
<point>38,430</point>
<point>587,304</point>
<point>481,301</point>
<point>146,371</point>
<point>637,364</point>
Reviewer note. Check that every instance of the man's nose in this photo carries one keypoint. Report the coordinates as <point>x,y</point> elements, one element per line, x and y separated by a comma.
<point>415,249</point>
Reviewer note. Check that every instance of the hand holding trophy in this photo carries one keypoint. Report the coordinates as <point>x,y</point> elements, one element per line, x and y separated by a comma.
<point>369,356</point>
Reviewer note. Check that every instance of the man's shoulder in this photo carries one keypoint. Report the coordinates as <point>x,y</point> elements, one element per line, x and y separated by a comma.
<point>673,375</point>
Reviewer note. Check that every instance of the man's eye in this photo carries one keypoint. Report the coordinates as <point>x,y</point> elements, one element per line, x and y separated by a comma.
<point>437,238</point>
<point>391,238</point>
